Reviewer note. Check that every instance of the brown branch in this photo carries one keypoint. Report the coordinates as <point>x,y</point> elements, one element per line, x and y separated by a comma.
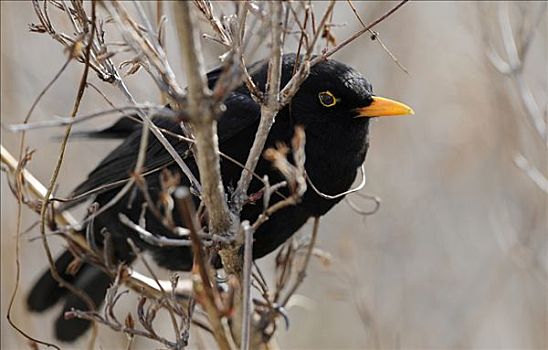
<point>140,283</point>
<point>294,174</point>
<point>64,121</point>
<point>202,107</point>
<point>166,82</point>
<point>302,271</point>
<point>146,45</point>
<point>18,170</point>
<point>108,318</point>
<point>170,308</point>
<point>206,295</point>
<point>45,203</point>
<point>202,117</point>
<point>269,109</point>
<point>302,72</point>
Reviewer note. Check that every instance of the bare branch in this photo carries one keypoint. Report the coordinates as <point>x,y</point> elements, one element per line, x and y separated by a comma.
<point>53,180</point>
<point>357,34</point>
<point>135,280</point>
<point>151,238</point>
<point>253,25</point>
<point>206,295</point>
<point>203,120</point>
<point>246,285</point>
<point>302,271</point>
<point>294,174</point>
<point>375,36</point>
<point>271,106</point>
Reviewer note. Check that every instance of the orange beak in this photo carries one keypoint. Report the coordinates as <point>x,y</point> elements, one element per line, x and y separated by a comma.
<point>384,107</point>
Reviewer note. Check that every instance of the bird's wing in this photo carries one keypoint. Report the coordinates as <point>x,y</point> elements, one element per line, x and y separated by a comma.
<point>241,113</point>
<point>120,162</point>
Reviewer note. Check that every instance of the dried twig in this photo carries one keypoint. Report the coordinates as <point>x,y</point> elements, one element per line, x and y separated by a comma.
<point>64,121</point>
<point>55,274</point>
<point>294,174</point>
<point>376,36</point>
<point>229,314</point>
<point>302,271</point>
<point>356,35</point>
<point>205,294</point>
<point>166,80</point>
<point>202,116</point>
<point>135,280</point>
<point>246,285</point>
<point>151,238</point>
<point>271,106</point>
<point>21,176</point>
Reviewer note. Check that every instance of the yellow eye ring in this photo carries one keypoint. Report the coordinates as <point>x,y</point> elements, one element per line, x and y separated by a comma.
<point>327,99</point>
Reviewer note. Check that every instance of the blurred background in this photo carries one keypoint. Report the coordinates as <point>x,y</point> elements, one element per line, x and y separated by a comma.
<point>457,255</point>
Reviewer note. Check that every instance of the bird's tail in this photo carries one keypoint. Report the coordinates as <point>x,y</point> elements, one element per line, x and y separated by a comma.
<point>47,292</point>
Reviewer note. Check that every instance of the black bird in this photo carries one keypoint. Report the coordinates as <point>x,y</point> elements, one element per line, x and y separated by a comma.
<point>334,105</point>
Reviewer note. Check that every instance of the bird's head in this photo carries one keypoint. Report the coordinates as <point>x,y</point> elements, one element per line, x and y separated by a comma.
<point>335,91</point>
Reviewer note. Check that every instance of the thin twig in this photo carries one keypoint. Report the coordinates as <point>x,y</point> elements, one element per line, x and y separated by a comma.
<point>64,121</point>
<point>356,35</point>
<point>246,285</point>
<point>83,296</point>
<point>375,36</point>
<point>152,239</point>
<point>300,75</point>
<point>302,271</point>
<point>156,56</point>
<point>167,306</point>
<point>19,183</point>
<point>136,281</point>
<point>202,284</point>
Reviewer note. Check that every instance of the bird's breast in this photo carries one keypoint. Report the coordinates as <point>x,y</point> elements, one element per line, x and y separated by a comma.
<point>333,156</point>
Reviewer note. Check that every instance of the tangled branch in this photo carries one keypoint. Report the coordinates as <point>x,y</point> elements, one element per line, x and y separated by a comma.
<point>234,318</point>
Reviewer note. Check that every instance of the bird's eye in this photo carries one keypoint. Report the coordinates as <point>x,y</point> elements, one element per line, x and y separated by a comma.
<point>327,99</point>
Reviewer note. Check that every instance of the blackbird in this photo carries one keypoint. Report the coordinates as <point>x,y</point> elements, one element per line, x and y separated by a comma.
<point>334,105</point>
